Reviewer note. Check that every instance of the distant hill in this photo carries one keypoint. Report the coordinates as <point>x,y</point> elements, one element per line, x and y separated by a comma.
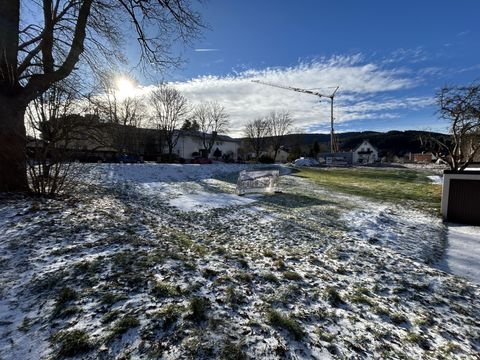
<point>392,142</point>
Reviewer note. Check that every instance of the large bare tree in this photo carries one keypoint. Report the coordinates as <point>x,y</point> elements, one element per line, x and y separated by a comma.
<point>279,125</point>
<point>212,119</point>
<point>41,42</point>
<point>460,105</point>
<point>122,114</point>
<point>170,110</point>
<point>256,132</point>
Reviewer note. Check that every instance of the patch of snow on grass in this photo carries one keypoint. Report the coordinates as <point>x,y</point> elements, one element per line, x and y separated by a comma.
<point>410,232</point>
<point>463,252</point>
<point>204,284</point>
<point>436,179</point>
<point>205,201</point>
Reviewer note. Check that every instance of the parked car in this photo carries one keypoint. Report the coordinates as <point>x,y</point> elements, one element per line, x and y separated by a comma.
<point>129,159</point>
<point>306,162</point>
<point>201,160</point>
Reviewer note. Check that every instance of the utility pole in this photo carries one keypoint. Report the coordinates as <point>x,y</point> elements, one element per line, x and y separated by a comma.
<point>333,142</point>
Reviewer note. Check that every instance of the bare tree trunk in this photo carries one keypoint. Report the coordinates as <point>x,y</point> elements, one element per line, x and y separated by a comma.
<point>13,173</point>
<point>275,154</point>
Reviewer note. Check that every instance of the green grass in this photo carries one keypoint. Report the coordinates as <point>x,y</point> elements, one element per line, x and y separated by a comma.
<point>286,322</point>
<point>324,335</point>
<point>418,339</point>
<point>396,186</point>
<point>234,297</point>
<point>122,325</point>
<point>110,316</point>
<point>71,343</point>
<point>109,298</point>
<point>170,314</point>
<point>64,297</point>
<point>164,290</point>
<point>198,309</point>
<point>292,275</point>
<point>333,297</point>
<point>232,351</point>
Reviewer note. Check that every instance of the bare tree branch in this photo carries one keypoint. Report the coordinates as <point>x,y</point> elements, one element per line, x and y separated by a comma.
<point>461,107</point>
<point>170,110</point>
<point>279,124</point>
<point>212,120</point>
<point>256,132</point>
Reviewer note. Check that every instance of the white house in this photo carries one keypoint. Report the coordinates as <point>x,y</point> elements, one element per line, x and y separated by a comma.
<point>190,142</point>
<point>282,154</point>
<point>365,153</point>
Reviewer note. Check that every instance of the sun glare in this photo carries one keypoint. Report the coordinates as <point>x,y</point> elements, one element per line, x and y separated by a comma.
<point>124,87</point>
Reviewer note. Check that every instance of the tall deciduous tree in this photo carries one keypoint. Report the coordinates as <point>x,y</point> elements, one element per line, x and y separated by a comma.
<point>212,119</point>
<point>256,132</point>
<point>461,107</point>
<point>279,125</point>
<point>122,113</point>
<point>170,110</point>
<point>37,51</point>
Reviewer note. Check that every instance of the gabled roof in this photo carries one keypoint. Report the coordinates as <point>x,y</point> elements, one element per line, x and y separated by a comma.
<point>219,137</point>
<point>363,141</point>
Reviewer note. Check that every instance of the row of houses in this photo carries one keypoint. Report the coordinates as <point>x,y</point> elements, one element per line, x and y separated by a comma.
<point>91,140</point>
<point>149,145</point>
<point>366,153</point>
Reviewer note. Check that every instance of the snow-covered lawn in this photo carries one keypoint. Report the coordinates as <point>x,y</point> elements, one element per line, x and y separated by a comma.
<point>165,261</point>
<point>463,252</point>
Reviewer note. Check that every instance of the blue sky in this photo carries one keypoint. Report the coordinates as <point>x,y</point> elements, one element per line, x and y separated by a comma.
<point>388,57</point>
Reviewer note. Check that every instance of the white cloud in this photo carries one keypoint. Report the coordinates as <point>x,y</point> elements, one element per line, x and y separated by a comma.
<point>463,33</point>
<point>414,55</point>
<point>364,87</point>
<point>206,50</point>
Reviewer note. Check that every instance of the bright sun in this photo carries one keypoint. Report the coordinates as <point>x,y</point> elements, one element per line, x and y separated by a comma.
<point>124,87</point>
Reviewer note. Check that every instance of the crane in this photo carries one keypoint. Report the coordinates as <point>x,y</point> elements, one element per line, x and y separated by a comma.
<point>333,142</point>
